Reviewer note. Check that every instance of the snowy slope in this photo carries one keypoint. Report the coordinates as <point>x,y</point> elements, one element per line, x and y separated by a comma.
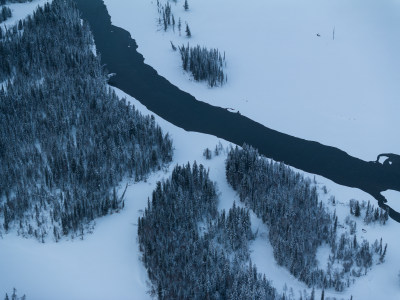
<point>341,92</point>
<point>105,265</point>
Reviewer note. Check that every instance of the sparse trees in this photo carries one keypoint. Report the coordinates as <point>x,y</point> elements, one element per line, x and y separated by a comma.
<point>298,222</point>
<point>371,214</point>
<point>14,296</point>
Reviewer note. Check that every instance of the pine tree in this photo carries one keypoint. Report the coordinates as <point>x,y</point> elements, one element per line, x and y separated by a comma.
<point>186,5</point>
<point>382,258</point>
<point>188,33</point>
<point>207,153</point>
<point>357,211</point>
<point>14,294</point>
<point>173,46</point>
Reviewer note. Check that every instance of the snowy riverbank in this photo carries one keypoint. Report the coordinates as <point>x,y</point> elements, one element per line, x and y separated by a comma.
<point>340,92</point>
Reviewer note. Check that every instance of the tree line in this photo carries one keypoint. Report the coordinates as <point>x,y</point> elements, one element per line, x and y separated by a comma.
<point>66,139</point>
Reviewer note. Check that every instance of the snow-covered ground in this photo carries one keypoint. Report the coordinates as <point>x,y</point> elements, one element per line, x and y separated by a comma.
<point>341,92</point>
<point>21,11</point>
<point>393,198</point>
<point>382,282</point>
<point>106,265</point>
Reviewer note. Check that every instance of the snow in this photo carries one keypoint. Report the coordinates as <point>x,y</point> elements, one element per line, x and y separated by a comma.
<point>382,279</point>
<point>262,255</point>
<point>21,11</point>
<point>106,264</point>
<point>341,92</point>
<point>393,198</point>
<point>323,253</point>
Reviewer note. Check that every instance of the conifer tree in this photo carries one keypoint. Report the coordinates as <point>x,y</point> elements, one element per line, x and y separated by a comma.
<point>188,32</point>
<point>179,25</point>
<point>186,5</point>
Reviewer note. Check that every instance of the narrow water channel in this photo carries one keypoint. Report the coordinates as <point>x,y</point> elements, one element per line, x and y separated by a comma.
<point>134,77</point>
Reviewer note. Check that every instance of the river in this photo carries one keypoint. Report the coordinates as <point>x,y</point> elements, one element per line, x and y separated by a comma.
<point>119,53</point>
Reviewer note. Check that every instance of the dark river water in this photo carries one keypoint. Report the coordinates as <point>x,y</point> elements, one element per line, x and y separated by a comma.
<point>134,77</point>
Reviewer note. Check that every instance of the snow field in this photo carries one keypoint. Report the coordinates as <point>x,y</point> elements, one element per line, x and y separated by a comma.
<point>340,92</point>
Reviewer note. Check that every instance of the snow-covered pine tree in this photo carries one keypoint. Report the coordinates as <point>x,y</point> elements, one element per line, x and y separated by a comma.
<point>187,30</point>
<point>186,5</point>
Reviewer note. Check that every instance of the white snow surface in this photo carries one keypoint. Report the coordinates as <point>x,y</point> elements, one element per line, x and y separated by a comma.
<point>341,92</point>
<point>106,264</point>
<point>393,198</point>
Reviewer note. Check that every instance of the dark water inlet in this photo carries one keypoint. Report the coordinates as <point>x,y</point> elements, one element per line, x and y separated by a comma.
<point>134,77</point>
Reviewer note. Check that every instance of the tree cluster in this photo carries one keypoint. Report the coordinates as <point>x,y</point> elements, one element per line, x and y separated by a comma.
<point>5,13</point>
<point>166,18</point>
<point>298,222</point>
<point>66,139</point>
<point>204,64</point>
<point>208,154</point>
<point>233,231</point>
<point>190,250</point>
<point>371,215</point>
